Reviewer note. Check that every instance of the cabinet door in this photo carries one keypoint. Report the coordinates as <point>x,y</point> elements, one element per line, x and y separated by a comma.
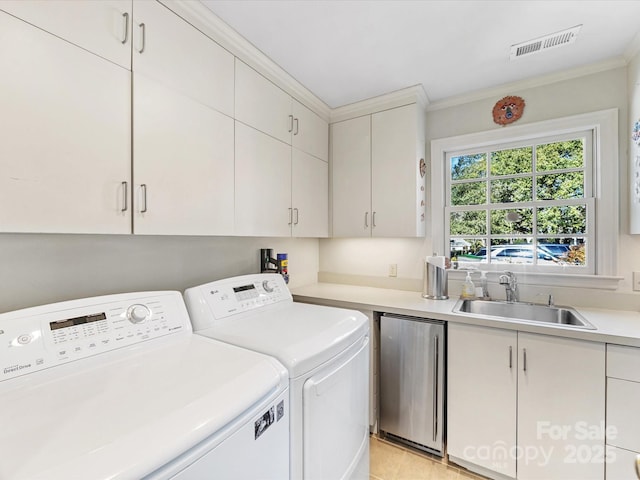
<point>310,132</point>
<point>351,177</point>
<point>65,153</point>
<point>397,187</point>
<point>621,464</point>
<point>262,105</point>
<point>172,52</point>
<point>262,184</point>
<point>310,195</point>
<point>561,408</point>
<point>183,155</point>
<point>481,393</point>
<point>623,398</point>
<point>102,27</point>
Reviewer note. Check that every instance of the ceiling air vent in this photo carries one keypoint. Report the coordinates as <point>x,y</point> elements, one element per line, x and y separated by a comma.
<point>540,44</point>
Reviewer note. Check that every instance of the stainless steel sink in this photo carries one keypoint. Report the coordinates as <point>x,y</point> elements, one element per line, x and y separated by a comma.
<point>523,312</point>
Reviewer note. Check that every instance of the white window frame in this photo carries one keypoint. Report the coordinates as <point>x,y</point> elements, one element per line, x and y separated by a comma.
<point>604,125</point>
<point>488,206</point>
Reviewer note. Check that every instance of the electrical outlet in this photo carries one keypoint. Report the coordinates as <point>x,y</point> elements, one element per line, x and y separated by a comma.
<point>636,281</point>
<point>393,269</point>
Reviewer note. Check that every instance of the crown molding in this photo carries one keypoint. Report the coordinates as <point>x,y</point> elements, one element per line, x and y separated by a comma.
<point>632,49</point>
<point>198,15</point>
<point>405,96</point>
<point>455,101</point>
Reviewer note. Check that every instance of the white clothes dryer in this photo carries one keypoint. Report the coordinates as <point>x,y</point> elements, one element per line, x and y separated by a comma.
<point>118,387</point>
<point>326,351</point>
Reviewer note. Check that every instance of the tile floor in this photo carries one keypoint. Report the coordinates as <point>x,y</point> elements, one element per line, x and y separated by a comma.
<point>395,462</point>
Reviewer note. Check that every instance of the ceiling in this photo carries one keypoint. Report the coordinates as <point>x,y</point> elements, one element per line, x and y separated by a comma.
<point>345,51</point>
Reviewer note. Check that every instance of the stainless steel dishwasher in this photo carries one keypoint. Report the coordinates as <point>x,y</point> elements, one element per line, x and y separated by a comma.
<point>412,381</point>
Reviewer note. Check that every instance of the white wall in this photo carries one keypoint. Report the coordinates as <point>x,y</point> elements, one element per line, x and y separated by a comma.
<point>600,91</point>
<point>38,269</point>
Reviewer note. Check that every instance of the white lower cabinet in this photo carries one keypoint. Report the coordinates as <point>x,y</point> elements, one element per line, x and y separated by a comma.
<point>623,413</point>
<point>65,118</point>
<point>524,405</point>
<point>482,397</point>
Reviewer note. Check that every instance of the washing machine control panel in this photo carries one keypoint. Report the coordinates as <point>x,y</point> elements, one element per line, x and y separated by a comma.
<point>243,294</point>
<point>41,337</point>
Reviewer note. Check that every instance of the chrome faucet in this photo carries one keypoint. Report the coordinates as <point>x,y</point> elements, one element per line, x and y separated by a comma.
<point>510,282</point>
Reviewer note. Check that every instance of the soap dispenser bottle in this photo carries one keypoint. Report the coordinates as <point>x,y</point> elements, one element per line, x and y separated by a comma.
<point>483,284</point>
<point>468,288</point>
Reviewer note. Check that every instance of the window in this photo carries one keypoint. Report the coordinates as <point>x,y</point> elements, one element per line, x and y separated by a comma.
<point>525,203</point>
<point>540,198</point>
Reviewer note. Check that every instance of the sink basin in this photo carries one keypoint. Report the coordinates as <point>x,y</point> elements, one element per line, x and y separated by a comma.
<point>523,312</point>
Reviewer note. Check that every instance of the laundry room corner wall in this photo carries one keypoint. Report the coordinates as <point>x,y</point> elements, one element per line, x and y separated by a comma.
<point>36,269</point>
<point>367,261</point>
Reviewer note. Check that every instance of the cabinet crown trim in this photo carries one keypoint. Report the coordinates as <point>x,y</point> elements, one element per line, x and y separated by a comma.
<point>399,98</point>
<point>198,15</point>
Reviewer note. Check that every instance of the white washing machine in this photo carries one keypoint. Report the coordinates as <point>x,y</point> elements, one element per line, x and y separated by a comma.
<point>326,351</point>
<point>118,387</point>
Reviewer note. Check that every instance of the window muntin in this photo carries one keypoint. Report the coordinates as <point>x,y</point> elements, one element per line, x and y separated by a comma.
<point>531,202</point>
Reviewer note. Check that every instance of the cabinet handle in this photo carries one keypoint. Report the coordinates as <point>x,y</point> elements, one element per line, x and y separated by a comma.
<point>524,359</point>
<point>510,357</point>
<point>290,216</point>
<point>296,121</point>
<point>143,31</point>
<point>290,123</point>
<point>366,219</point>
<point>435,387</point>
<point>143,187</point>
<point>125,197</point>
<point>125,15</point>
<point>373,220</point>
<point>295,211</point>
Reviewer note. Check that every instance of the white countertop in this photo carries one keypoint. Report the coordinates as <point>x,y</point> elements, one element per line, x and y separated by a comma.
<point>612,326</point>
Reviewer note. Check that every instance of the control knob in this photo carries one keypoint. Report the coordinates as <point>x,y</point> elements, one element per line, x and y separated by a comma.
<point>268,286</point>
<point>138,313</point>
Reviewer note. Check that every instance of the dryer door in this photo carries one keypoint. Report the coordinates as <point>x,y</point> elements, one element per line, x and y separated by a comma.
<point>336,417</point>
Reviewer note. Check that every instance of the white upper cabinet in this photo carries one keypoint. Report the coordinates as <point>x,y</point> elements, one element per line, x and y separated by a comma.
<point>174,53</point>
<point>264,106</point>
<point>279,191</point>
<point>377,183</point>
<point>85,84</point>
<point>282,174</point>
<point>101,27</point>
<point>351,177</point>
<point>183,164</point>
<point>183,134</point>
<point>309,195</point>
<point>397,183</point>
<point>310,132</point>
<point>262,184</point>
<point>65,154</point>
